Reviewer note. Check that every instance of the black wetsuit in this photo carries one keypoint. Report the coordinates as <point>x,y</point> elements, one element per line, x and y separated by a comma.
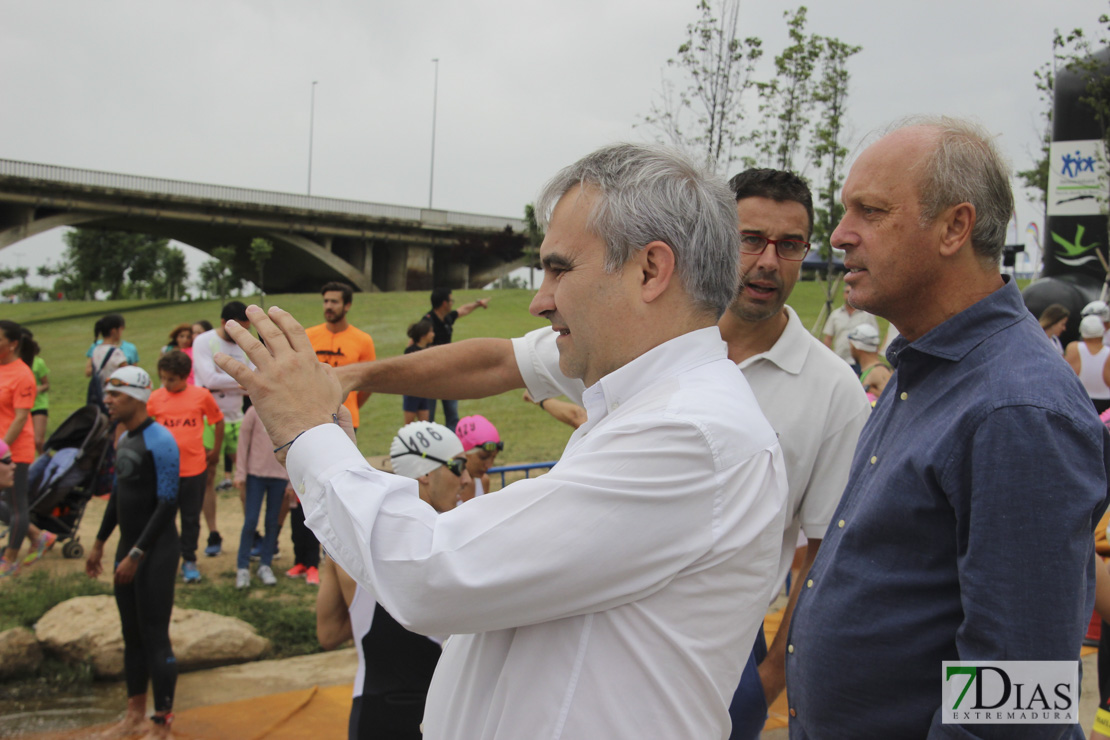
<point>144,504</point>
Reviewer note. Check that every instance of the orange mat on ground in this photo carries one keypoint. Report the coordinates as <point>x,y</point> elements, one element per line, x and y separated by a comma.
<point>309,714</point>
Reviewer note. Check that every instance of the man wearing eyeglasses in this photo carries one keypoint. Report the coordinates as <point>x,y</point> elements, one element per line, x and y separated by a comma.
<point>615,595</point>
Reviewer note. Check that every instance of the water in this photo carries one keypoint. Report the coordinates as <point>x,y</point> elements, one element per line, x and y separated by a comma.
<point>30,708</point>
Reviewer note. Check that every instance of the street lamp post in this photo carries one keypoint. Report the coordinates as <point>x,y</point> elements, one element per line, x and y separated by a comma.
<point>435,98</point>
<point>311,123</point>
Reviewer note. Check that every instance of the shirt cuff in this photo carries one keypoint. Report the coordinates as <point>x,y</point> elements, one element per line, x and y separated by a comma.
<point>318,451</point>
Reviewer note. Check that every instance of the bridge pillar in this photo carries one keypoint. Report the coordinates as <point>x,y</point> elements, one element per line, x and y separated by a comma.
<point>450,274</point>
<point>419,268</point>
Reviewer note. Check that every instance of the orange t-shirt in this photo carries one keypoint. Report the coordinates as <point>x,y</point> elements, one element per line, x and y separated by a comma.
<point>17,391</point>
<point>342,348</point>
<point>183,413</point>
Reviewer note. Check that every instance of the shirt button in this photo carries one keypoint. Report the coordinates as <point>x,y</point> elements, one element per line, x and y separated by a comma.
<point>790,649</point>
<point>904,395</point>
<point>793,712</point>
<point>809,583</point>
<point>840,524</point>
<point>874,459</point>
<point>614,406</point>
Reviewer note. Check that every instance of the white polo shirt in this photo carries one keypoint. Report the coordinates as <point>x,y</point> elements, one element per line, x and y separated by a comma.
<point>812,398</point>
<point>613,597</point>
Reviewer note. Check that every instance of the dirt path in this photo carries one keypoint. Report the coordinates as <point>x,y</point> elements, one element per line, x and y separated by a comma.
<point>229,519</point>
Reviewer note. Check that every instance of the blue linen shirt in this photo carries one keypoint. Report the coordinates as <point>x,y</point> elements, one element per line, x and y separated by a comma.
<point>965,532</point>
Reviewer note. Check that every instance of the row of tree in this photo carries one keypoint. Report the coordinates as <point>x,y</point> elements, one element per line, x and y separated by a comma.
<point>126,265</point>
<point>796,124</point>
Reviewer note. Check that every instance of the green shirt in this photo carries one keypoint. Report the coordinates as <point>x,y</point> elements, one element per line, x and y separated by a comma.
<point>40,370</point>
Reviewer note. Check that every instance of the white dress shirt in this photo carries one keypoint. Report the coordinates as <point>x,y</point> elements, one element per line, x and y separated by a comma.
<point>811,397</point>
<point>224,388</point>
<point>614,597</point>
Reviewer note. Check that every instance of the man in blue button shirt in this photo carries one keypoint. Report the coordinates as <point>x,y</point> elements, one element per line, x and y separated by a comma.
<point>965,530</point>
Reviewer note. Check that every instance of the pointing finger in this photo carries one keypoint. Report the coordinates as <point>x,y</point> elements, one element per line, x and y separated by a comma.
<point>258,353</point>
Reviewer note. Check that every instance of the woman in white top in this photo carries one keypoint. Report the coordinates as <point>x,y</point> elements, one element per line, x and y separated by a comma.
<point>1090,359</point>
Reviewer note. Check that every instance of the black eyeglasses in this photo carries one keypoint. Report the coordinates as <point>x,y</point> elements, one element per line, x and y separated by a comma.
<point>117,383</point>
<point>489,447</point>
<point>791,250</point>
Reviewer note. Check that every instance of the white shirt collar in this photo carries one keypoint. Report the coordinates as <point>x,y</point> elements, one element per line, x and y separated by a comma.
<point>791,349</point>
<point>664,361</point>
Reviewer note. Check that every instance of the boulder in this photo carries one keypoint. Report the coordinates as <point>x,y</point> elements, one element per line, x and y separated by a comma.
<point>86,629</point>
<point>20,653</point>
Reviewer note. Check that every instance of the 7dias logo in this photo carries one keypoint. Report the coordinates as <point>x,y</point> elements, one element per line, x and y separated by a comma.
<point>1010,692</point>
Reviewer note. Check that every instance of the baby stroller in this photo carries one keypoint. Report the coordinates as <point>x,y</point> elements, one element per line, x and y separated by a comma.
<point>75,461</point>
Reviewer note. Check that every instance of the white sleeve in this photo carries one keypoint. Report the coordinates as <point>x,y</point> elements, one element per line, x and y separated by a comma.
<point>830,471</point>
<point>582,538</point>
<point>206,373</point>
<point>537,358</point>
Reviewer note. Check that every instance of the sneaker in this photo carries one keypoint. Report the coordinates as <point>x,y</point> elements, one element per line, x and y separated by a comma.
<point>189,572</point>
<point>267,575</point>
<point>45,542</point>
<point>8,569</point>
<point>312,577</point>
<point>224,485</point>
<point>297,571</point>
<point>215,543</point>
<point>243,578</point>
<point>256,551</point>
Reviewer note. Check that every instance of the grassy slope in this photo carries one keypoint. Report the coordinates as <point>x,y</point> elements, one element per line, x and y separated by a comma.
<point>64,331</point>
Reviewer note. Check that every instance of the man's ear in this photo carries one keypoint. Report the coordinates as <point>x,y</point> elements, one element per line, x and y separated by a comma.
<point>657,265</point>
<point>958,221</point>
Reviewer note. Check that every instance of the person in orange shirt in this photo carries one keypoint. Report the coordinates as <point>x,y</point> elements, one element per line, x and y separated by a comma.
<point>183,409</point>
<point>17,396</point>
<point>338,343</point>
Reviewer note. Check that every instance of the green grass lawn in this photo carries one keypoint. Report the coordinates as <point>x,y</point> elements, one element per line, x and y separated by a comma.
<point>64,331</point>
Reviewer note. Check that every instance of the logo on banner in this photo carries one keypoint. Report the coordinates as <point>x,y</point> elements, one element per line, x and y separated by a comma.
<point>1010,692</point>
<point>1077,178</point>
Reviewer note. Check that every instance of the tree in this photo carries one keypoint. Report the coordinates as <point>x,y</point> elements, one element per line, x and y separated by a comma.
<point>827,148</point>
<point>718,69</point>
<point>175,273</point>
<point>534,233</point>
<point>216,276</point>
<point>789,95</point>
<point>261,251</point>
<point>117,262</point>
<point>1035,178</point>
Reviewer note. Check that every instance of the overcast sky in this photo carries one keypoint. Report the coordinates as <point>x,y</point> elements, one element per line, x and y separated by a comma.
<point>218,91</point>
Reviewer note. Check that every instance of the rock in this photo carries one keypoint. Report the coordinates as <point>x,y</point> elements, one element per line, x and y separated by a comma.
<point>86,629</point>
<point>20,653</point>
<point>204,640</point>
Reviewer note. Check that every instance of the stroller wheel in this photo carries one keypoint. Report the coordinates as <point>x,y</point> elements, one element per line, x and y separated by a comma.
<point>73,549</point>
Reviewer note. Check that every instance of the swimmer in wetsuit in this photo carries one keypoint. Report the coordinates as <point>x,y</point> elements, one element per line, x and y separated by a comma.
<point>144,504</point>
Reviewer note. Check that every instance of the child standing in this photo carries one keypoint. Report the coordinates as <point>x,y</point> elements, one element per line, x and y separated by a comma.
<point>260,477</point>
<point>422,333</point>
<point>183,409</point>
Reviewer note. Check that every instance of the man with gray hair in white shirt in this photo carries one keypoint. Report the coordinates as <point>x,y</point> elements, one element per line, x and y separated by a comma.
<point>617,595</point>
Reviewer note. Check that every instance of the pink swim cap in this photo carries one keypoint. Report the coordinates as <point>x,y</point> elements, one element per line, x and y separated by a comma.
<point>5,451</point>
<point>475,430</point>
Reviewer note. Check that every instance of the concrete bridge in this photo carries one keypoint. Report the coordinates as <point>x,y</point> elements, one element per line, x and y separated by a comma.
<point>373,246</point>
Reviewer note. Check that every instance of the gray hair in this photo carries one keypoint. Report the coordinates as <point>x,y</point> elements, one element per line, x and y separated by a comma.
<point>966,167</point>
<point>651,193</point>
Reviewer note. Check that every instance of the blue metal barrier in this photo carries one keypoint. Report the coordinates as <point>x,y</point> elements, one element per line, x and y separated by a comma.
<point>502,469</point>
